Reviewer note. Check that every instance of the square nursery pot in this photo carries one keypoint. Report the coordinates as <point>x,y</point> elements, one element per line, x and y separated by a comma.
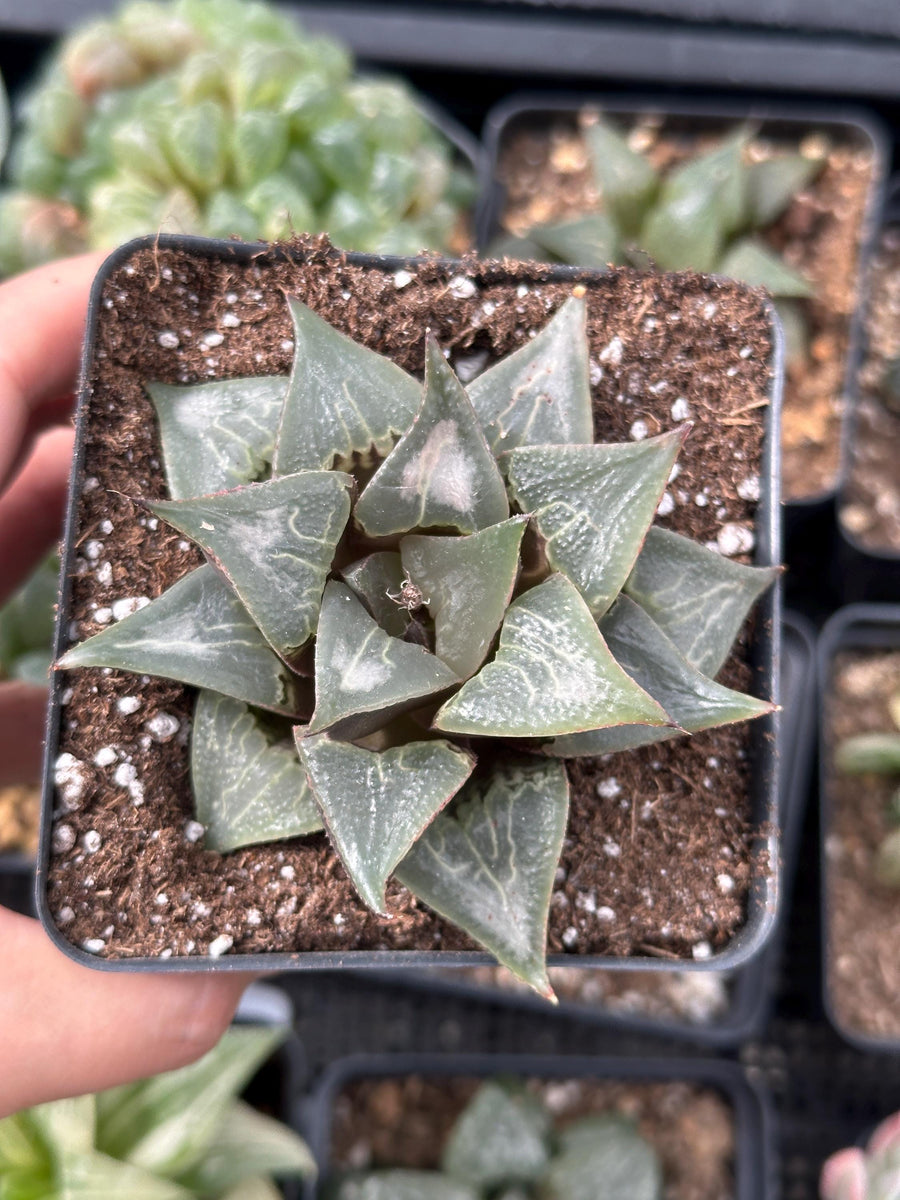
<point>722,1010</point>
<point>17,883</point>
<point>551,186</point>
<point>335,1118</point>
<point>868,559</point>
<point>139,893</point>
<point>859,669</point>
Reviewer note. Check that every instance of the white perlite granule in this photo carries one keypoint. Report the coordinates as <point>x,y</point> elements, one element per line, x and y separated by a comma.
<point>168,339</point>
<point>63,839</point>
<point>105,757</point>
<point>734,539</point>
<point>162,727</point>
<point>128,605</point>
<point>93,945</point>
<point>71,777</point>
<point>218,946</point>
<point>92,841</point>
<point>193,831</point>
<point>128,705</point>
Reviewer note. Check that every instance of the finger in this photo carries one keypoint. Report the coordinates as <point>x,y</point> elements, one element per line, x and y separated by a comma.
<point>66,1030</point>
<point>32,507</point>
<point>42,316</point>
<point>22,709</point>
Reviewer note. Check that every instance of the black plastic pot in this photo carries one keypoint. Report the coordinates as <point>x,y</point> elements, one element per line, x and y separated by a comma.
<point>753,1118</point>
<point>762,902</point>
<point>857,627</point>
<point>17,883</point>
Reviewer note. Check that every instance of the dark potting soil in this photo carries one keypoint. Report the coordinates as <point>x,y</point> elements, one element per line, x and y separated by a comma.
<point>547,176</point>
<point>863,917</point>
<point>657,858</point>
<point>405,1122</point>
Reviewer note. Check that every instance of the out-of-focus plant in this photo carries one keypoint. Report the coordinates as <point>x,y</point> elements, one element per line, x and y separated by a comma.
<point>879,754</point>
<point>870,1174</point>
<point>26,626</point>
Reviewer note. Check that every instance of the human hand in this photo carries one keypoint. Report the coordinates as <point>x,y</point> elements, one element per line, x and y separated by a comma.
<point>66,1029</point>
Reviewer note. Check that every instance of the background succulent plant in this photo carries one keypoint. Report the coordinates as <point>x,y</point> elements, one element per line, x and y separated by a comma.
<point>220,117</point>
<point>870,1174</point>
<point>503,1144</point>
<point>26,626</point>
<point>879,754</point>
<point>394,609</point>
<point>178,1136</point>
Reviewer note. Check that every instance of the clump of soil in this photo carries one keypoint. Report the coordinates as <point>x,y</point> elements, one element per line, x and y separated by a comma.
<point>863,917</point>
<point>870,504</point>
<point>547,176</point>
<point>20,816</point>
<point>652,834</point>
<point>405,1122</point>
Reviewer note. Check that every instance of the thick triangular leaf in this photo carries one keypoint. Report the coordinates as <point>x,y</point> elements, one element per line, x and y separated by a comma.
<point>588,241</point>
<point>489,866</point>
<point>66,1126</point>
<point>399,1184</point>
<point>876,752</point>
<point>217,435</point>
<point>522,249</point>
<point>375,804</point>
<point>258,1188</point>
<point>248,1144</point>
<point>342,400</point>
<point>751,262</point>
<point>603,1158</point>
<point>625,179</point>
<point>499,1138</point>
<point>593,506</point>
<point>541,394</point>
<point>197,632</point>
<point>699,598</point>
<point>720,174</point>
<point>441,472</point>
<point>21,1147</point>
<point>375,579</point>
<point>363,675</point>
<point>96,1176</point>
<point>552,674</point>
<point>692,700</point>
<point>247,788</point>
<point>773,183</point>
<point>467,584</point>
<point>166,1123</point>
<point>274,542</point>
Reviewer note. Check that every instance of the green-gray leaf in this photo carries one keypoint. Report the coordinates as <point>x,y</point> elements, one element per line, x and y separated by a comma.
<point>375,804</point>
<point>197,632</point>
<point>499,1138</point>
<point>247,1144</point>
<point>750,262</point>
<point>603,1158</point>
<point>364,677</point>
<point>217,435</point>
<point>374,579</point>
<point>274,542</point>
<point>489,866</point>
<point>247,788</point>
<point>697,597</point>
<point>96,1176</point>
<point>773,183</point>
<point>593,506</point>
<point>876,752</point>
<point>342,399</point>
<point>400,1184</point>
<point>553,674</point>
<point>20,1146</point>
<point>467,584</point>
<point>441,473</point>
<point>66,1126</point>
<point>588,241</point>
<point>625,179</point>
<point>540,394</point>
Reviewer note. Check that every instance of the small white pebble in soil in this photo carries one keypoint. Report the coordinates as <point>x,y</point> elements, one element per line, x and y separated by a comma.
<point>125,775</point>
<point>489,308</point>
<point>596,373</point>
<point>218,946</point>
<point>469,366</point>
<point>748,489</point>
<point>65,916</point>
<point>562,1096</point>
<point>253,917</point>
<point>666,505</point>
<point>587,901</point>
<point>213,339</point>
<point>167,953</point>
<point>127,705</point>
<point>570,937</point>
<point>162,727</point>
<point>93,549</point>
<point>605,913</point>
<point>231,298</point>
<point>560,875</point>
<point>611,849</point>
<point>712,761</point>
<point>609,788</point>
<point>66,697</point>
<point>725,884</point>
<point>161,899</point>
<point>746,351</point>
<point>71,777</point>
<point>193,831</point>
<point>675,472</point>
<point>63,839</point>
<point>680,409</point>
<point>104,575</point>
<point>90,484</point>
<point>92,841</point>
<point>231,321</point>
<point>701,500</point>
<point>402,279</point>
<point>93,945</point>
<point>701,951</point>
<point>105,756</point>
<point>338,919</point>
<point>128,605</point>
<point>287,872</point>
<point>462,288</point>
<point>168,339</point>
<point>287,345</point>
<point>731,372</point>
<point>735,539</point>
<point>522,290</point>
<point>152,524</point>
<point>612,352</point>
<point>638,430</point>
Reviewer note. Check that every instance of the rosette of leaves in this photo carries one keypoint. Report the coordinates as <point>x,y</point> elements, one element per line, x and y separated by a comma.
<point>179,1136</point>
<point>503,1146</point>
<point>222,118</point>
<point>872,1173</point>
<point>879,754</point>
<point>399,640</point>
<point>705,214</point>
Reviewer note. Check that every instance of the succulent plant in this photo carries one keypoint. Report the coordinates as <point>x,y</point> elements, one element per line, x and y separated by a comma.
<point>879,754</point>
<point>503,1145</point>
<point>701,215</point>
<point>870,1174</point>
<point>221,117</point>
<point>492,577</point>
<point>26,626</point>
<point>178,1136</point>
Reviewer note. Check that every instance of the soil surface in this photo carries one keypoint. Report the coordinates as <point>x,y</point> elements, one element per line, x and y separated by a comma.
<point>405,1122</point>
<point>20,815</point>
<point>658,854</point>
<point>870,504</point>
<point>863,917</point>
<point>547,176</point>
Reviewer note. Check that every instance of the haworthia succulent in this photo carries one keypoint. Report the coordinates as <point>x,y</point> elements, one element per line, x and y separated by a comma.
<point>501,1137</point>
<point>466,583</point>
<point>699,598</point>
<point>199,633</point>
<point>255,1188</point>
<point>375,804</point>
<point>248,1142</point>
<point>774,182</point>
<point>96,1176</point>
<point>751,262</point>
<point>399,1184</point>
<point>593,506</point>
<point>441,473</point>
<point>590,241</point>
<point>489,865</point>
<point>552,674</point>
<point>217,435</point>
<point>363,676</point>
<point>376,579</point>
<point>540,394</point>
<point>603,1158</point>
<point>68,1125</point>
<point>342,400</point>
<point>247,787</point>
<point>877,752</point>
<point>274,542</point>
<point>625,179</point>
<point>21,1149</point>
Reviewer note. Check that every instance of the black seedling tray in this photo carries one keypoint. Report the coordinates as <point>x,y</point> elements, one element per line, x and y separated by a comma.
<point>17,883</point>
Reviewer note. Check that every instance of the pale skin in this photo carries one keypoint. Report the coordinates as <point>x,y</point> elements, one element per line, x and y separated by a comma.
<point>64,1029</point>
